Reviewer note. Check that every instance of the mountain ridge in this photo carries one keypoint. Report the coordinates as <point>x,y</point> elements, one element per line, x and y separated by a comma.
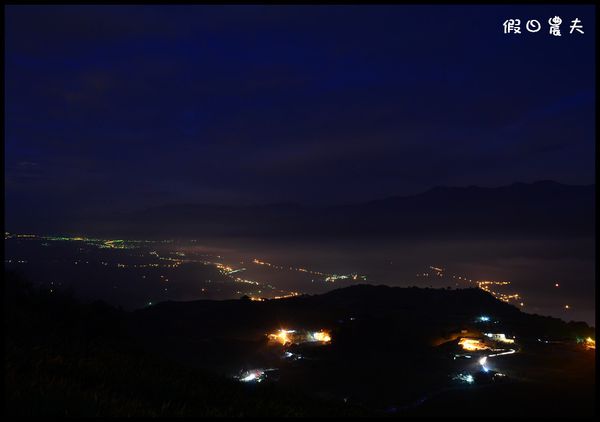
<point>545,208</point>
<point>542,208</point>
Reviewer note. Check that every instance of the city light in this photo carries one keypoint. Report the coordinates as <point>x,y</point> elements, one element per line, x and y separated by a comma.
<point>327,277</point>
<point>250,377</point>
<point>590,343</point>
<point>322,336</point>
<point>254,375</point>
<point>482,362</point>
<point>468,378</point>
<point>285,337</point>
<point>282,336</point>
<point>489,286</point>
<point>471,344</point>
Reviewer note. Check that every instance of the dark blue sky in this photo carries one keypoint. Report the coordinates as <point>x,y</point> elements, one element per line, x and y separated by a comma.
<point>113,108</point>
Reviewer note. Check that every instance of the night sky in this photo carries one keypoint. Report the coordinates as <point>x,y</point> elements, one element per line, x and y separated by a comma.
<point>114,108</point>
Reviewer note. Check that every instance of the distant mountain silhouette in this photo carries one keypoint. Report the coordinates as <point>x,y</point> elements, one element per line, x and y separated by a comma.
<point>538,208</point>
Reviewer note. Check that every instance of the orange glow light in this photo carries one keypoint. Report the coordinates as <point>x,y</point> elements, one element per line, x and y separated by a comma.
<point>322,336</point>
<point>471,344</point>
<point>282,337</point>
<point>590,343</point>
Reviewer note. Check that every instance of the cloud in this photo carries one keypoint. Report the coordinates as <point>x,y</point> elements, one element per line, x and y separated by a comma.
<point>296,103</point>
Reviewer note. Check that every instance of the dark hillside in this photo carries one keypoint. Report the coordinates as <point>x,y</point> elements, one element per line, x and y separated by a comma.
<point>64,358</point>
